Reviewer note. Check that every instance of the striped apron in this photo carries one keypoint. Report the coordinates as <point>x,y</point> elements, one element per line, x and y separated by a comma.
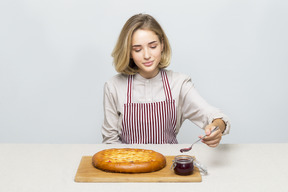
<point>145,123</point>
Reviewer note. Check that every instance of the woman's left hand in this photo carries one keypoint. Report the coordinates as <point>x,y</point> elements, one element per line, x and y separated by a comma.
<point>213,140</point>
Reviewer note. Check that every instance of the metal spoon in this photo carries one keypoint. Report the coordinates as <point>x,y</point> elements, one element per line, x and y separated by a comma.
<point>189,148</point>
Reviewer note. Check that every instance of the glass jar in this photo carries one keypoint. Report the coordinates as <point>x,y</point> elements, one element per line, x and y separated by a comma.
<point>183,165</point>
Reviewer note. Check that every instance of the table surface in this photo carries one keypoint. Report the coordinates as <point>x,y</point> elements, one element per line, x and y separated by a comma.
<point>231,167</point>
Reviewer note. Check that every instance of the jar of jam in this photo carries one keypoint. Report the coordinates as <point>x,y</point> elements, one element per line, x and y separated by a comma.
<point>183,165</point>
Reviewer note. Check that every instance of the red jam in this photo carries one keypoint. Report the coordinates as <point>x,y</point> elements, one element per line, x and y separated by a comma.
<point>183,165</point>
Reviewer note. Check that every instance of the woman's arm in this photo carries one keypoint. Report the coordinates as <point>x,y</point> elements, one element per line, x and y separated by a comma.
<point>197,110</point>
<point>110,132</point>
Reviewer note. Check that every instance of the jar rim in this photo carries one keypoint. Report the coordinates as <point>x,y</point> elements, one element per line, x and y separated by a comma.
<point>186,158</point>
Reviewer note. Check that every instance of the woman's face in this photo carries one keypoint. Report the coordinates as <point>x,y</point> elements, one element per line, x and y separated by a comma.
<point>146,52</point>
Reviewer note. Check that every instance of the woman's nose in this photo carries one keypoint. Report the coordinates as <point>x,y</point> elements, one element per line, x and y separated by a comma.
<point>146,54</point>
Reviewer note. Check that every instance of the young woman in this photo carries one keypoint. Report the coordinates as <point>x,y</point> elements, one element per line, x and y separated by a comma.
<point>145,103</point>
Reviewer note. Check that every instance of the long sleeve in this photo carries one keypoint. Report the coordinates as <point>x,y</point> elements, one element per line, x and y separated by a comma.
<point>110,132</point>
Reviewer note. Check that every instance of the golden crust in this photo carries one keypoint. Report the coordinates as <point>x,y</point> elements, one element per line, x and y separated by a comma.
<point>129,160</point>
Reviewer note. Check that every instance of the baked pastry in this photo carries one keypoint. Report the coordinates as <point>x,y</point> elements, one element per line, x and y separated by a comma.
<point>128,160</point>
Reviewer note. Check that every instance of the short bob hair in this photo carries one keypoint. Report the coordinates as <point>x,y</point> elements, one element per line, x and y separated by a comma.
<point>121,54</point>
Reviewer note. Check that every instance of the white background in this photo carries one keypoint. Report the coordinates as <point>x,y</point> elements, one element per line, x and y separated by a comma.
<point>55,58</point>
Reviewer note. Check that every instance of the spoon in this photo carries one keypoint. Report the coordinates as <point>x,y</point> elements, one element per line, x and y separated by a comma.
<point>189,148</point>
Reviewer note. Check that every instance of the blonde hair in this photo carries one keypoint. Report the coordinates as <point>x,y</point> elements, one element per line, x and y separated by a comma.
<point>121,54</point>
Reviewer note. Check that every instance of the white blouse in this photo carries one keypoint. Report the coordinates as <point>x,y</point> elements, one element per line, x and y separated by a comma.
<point>190,105</point>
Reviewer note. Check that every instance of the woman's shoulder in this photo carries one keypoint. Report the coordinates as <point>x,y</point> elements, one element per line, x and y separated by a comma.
<point>117,81</point>
<point>118,78</point>
<point>180,83</point>
<point>177,76</point>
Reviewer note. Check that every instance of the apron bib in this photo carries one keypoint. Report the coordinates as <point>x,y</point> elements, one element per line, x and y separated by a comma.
<point>149,123</point>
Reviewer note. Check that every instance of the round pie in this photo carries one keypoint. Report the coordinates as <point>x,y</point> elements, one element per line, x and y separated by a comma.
<point>129,160</point>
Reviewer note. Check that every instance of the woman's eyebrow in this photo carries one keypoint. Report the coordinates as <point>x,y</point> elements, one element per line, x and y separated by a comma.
<point>148,44</point>
<point>152,42</point>
<point>136,45</point>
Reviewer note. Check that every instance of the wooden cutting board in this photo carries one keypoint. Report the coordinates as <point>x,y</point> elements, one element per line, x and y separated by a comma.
<point>88,173</point>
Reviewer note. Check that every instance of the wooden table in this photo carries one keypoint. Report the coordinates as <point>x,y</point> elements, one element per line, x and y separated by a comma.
<point>231,167</point>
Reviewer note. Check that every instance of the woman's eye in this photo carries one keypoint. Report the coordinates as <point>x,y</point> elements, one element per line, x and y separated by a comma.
<point>137,50</point>
<point>153,47</point>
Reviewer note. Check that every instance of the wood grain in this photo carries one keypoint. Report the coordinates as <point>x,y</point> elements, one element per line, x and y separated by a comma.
<point>88,173</point>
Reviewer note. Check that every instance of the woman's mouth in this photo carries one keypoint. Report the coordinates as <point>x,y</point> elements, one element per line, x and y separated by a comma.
<point>149,63</point>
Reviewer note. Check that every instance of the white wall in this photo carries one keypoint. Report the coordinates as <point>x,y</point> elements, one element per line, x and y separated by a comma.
<point>55,58</point>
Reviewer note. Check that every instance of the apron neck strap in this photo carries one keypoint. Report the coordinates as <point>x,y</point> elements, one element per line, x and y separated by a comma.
<point>166,85</point>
